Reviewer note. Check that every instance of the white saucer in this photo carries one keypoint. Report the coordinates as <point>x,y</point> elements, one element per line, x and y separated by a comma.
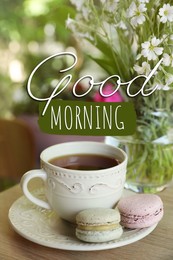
<point>44,227</point>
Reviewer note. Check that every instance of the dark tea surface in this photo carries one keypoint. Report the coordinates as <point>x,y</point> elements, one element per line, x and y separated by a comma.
<point>84,162</point>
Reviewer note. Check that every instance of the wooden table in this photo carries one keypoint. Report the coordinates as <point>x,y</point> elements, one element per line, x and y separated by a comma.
<point>157,245</point>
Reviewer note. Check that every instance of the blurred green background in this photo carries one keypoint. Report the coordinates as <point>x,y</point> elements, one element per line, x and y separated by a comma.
<point>30,31</point>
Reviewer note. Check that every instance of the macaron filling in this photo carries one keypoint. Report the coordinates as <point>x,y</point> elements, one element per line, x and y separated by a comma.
<point>98,225</point>
<point>98,228</point>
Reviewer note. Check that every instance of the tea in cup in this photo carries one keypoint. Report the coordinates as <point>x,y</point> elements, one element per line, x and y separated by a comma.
<point>77,176</point>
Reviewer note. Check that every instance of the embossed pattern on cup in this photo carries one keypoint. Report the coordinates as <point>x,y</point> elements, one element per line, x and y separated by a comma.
<point>70,191</point>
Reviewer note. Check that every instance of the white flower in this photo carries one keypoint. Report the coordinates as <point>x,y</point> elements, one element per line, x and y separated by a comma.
<point>78,3</point>
<point>150,49</point>
<point>166,13</point>
<point>167,59</point>
<point>85,12</point>
<point>169,80</point>
<point>122,25</point>
<point>163,87</point>
<point>70,24</point>
<point>111,5</point>
<point>144,69</point>
<point>136,13</point>
<point>144,1</point>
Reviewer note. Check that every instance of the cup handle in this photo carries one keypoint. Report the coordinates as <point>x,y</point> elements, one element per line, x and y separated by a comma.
<point>24,185</point>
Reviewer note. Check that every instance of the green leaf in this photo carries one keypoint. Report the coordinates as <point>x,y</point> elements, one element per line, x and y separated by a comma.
<point>113,58</point>
<point>105,64</point>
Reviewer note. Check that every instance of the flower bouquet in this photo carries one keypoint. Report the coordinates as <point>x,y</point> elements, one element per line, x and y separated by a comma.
<point>132,38</point>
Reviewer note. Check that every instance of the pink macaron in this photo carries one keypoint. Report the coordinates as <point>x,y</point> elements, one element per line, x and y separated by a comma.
<point>140,210</point>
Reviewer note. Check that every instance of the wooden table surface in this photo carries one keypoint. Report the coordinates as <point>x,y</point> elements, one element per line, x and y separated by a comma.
<point>157,245</point>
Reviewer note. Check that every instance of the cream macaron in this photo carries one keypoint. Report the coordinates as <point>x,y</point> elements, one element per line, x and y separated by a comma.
<point>98,225</point>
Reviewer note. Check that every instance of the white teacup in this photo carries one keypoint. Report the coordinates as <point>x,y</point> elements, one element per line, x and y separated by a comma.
<point>69,191</point>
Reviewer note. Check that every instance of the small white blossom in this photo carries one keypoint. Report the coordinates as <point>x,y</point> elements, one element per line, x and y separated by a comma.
<point>144,69</point>
<point>111,5</point>
<point>78,3</point>
<point>150,50</point>
<point>144,1</point>
<point>167,59</point>
<point>136,13</point>
<point>122,25</point>
<point>85,12</point>
<point>70,24</point>
<point>166,13</point>
<point>163,87</point>
<point>169,80</point>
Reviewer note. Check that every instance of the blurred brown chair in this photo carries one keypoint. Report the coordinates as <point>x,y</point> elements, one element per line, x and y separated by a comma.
<point>17,151</point>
